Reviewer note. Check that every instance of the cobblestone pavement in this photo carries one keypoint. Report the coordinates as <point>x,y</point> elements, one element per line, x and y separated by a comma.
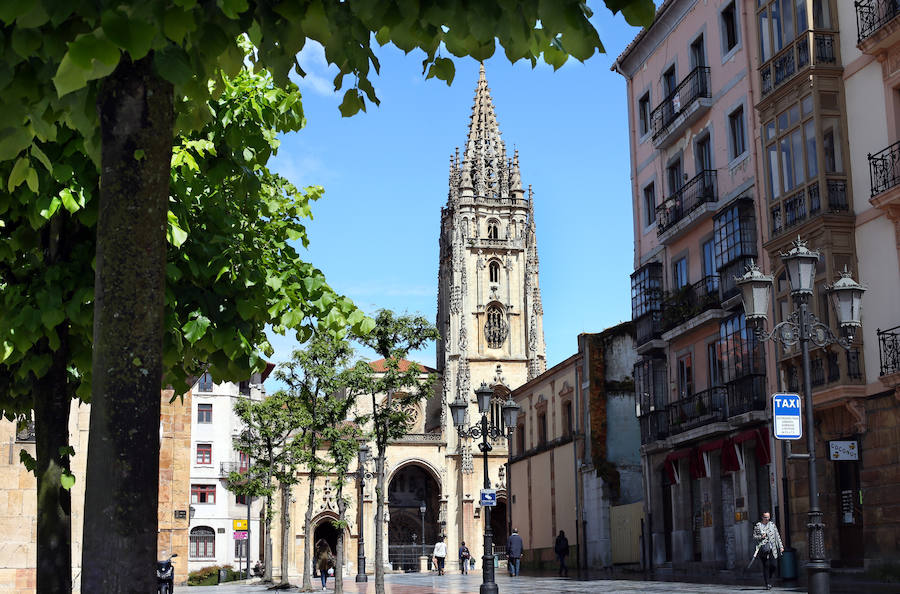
<point>464,584</point>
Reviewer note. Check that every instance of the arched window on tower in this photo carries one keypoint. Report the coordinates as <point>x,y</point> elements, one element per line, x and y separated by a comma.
<point>493,230</point>
<point>494,271</point>
<point>495,329</point>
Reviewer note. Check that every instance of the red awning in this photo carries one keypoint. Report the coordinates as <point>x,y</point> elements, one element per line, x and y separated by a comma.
<point>671,459</point>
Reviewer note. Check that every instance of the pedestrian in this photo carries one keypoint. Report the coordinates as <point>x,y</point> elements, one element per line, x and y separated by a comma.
<point>464,555</point>
<point>324,560</point>
<point>768,544</point>
<point>514,548</point>
<point>440,554</point>
<point>561,548</point>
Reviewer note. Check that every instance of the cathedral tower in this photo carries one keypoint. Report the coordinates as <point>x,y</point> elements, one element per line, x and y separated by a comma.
<point>489,302</point>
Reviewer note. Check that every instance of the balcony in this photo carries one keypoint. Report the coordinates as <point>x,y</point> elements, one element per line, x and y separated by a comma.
<point>806,203</point>
<point>647,330</point>
<point>884,169</point>
<point>698,409</point>
<point>226,468</point>
<point>747,394</point>
<point>889,350</point>
<point>876,27</point>
<point>682,107</point>
<point>795,58</point>
<point>684,309</point>
<point>654,426</point>
<point>679,211</point>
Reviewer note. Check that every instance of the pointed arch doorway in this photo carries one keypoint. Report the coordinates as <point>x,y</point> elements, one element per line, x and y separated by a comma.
<point>412,486</point>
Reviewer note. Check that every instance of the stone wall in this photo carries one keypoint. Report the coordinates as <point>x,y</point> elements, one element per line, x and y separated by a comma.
<point>18,516</point>
<point>175,481</point>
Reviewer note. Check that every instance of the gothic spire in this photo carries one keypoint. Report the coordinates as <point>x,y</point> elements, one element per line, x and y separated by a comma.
<point>485,154</point>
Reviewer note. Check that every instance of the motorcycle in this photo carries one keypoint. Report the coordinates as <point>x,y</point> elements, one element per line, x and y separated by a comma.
<point>165,576</point>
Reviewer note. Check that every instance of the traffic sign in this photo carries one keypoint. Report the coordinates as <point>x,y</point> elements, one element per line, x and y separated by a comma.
<point>239,524</point>
<point>240,535</point>
<point>488,498</point>
<point>788,417</point>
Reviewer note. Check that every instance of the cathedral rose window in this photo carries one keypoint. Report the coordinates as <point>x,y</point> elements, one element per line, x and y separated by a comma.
<point>495,329</point>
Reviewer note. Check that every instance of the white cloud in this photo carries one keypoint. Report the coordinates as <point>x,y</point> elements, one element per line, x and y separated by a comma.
<point>319,73</point>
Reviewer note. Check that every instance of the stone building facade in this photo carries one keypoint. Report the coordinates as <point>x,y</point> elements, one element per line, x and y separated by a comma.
<point>490,320</point>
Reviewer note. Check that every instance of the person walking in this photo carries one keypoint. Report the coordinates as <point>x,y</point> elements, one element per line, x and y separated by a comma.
<point>561,548</point>
<point>514,547</point>
<point>464,556</point>
<point>768,545</point>
<point>324,560</point>
<point>440,554</point>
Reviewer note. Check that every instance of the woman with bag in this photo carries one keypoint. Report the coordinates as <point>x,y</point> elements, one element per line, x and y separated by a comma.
<point>324,560</point>
<point>464,555</point>
<point>768,544</point>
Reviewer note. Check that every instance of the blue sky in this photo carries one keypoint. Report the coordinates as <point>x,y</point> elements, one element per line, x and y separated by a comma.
<point>375,232</point>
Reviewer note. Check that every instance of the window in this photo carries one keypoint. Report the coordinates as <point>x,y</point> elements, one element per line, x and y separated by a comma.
<point>240,499</point>
<point>729,27</point>
<point>715,364</point>
<point>679,273</point>
<point>203,493</point>
<point>568,419</point>
<point>542,428</point>
<point>240,549</point>
<point>520,439</point>
<point>675,175</point>
<point>205,384</point>
<point>740,352</point>
<point>669,82</point>
<point>495,329</point>
<point>698,53</point>
<point>651,384</point>
<point>685,376</point>
<point>736,129</point>
<point>711,277</point>
<point>494,271</point>
<point>646,290</point>
<point>204,453</point>
<point>204,413</point>
<point>202,543</point>
<point>644,113</point>
<point>244,463</point>
<point>735,243</point>
<point>649,205</point>
<point>244,388</point>
<point>704,155</point>
<point>493,230</point>
<point>832,148</point>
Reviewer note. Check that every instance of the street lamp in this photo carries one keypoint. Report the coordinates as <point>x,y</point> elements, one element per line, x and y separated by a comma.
<point>510,410</point>
<point>360,545</point>
<point>802,326</point>
<point>422,509</point>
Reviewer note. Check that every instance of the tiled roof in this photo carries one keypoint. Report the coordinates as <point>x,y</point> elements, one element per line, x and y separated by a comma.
<point>379,367</point>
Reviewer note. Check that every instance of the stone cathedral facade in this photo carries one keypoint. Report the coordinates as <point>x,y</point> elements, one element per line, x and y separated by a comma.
<point>490,320</point>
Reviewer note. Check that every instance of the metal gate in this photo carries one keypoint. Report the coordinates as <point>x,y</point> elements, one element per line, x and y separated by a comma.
<point>406,557</point>
<point>625,532</point>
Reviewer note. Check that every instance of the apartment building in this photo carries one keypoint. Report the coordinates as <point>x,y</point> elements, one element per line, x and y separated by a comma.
<point>575,463</point>
<point>218,517</point>
<point>700,380</point>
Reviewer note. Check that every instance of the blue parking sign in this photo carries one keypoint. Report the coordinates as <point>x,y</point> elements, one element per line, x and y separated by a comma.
<point>488,498</point>
<point>786,410</point>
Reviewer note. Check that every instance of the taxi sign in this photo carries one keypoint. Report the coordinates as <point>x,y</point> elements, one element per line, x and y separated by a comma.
<point>488,498</point>
<point>788,417</point>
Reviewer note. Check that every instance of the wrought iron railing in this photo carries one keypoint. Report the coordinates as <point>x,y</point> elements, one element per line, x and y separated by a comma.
<point>697,409</point>
<point>837,195</point>
<point>834,369</point>
<point>694,86</point>
<point>807,202</point>
<point>654,426</point>
<point>226,468</point>
<point>817,372</point>
<point>853,369</point>
<point>406,557</point>
<point>884,169</point>
<point>746,394</point>
<point>889,350</point>
<point>690,301</point>
<point>796,57</point>
<point>871,15</point>
<point>696,192</point>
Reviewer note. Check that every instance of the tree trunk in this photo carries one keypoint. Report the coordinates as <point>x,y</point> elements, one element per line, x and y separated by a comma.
<point>379,521</point>
<point>121,499</point>
<point>307,535</point>
<point>342,518</point>
<point>267,575</point>
<point>285,530</point>
<point>54,503</point>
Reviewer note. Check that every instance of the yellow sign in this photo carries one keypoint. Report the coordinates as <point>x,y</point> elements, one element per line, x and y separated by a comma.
<point>239,524</point>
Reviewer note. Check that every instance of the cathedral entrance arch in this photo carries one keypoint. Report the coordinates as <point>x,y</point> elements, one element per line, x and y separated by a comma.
<point>325,529</point>
<point>411,486</point>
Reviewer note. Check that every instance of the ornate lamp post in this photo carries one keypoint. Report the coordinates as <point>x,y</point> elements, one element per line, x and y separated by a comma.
<point>484,430</point>
<point>422,510</point>
<point>360,546</point>
<point>802,326</point>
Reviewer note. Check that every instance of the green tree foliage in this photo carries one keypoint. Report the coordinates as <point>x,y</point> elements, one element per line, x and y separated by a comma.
<point>126,76</point>
<point>269,440</point>
<point>392,392</point>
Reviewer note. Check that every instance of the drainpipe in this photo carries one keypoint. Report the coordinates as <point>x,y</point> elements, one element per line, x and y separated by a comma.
<point>578,485</point>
